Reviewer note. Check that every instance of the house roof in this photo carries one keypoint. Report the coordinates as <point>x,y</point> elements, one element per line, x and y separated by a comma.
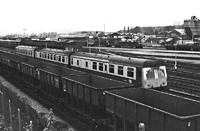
<point>181,31</point>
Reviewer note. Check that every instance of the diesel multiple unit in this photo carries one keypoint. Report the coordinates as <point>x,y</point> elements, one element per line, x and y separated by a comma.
<point>141,72</point>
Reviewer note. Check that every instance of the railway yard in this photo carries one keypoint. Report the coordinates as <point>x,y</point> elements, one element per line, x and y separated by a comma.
<point>89,101</point>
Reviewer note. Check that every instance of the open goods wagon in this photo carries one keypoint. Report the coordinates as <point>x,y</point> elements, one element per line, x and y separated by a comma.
<point>50,79</point>
<point>85,94</point>
<point>151,110</point>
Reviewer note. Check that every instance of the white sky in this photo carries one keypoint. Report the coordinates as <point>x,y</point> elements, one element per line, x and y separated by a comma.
<point>90,15</point>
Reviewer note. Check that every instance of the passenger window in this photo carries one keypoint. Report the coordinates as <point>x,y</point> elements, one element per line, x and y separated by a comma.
<point>101,66</point>
<point>105,67</point>
<point>111,68</point>
<point>54,57</point>
<point>77,62</point>
<point>94,65</point>
<point>120,70</point>
<point>130,72</point>
<point>59,58</point>
<point>40,54</point>
<point>72,61</point>
<point>63,59</point>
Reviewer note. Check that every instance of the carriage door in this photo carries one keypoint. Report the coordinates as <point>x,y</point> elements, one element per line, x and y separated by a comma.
<point>105,67</point>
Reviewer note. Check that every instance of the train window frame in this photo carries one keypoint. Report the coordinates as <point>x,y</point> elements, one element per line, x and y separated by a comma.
<point>94,65</point>
<point>51,56</point>
<point>63,59</point>
<point>59,58</point>
<point>111,70</point>
<point>86,64</point>
<point>54,57</point>
<point>132,72</point>
<point>45,55</point>
<point>120,70</point>
<point>48,56</point>
<point>77,62</point>
<point>105,67</point>
<point>72,61</point>
<point>149,73</point>
<point>100,66</point>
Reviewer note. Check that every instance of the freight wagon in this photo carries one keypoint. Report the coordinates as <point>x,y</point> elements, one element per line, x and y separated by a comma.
<point>151,110</point>
<point>50,82</point>
<point>85,93</point>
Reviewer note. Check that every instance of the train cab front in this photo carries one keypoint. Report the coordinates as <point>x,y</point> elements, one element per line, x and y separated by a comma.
<point>154,77</point>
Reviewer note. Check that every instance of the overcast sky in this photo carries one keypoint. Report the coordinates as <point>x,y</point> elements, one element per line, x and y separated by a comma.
<point>90,15</point>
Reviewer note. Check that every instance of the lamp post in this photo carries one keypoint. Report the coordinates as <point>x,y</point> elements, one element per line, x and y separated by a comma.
<point>175,64</point>
<point>176,24</point>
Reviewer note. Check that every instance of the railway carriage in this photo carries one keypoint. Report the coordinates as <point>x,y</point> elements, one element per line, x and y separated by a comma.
<point>26,50</point>
<point>140,72</point>
<point>55,55</point>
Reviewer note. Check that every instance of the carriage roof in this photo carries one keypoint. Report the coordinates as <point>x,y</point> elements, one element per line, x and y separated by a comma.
<point>54,51</point>
<point>26,47</point>
<point>116,59</point>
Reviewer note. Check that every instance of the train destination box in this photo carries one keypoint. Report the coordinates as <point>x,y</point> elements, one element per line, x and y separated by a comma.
<point>90,87</point>
<point>156,110</point>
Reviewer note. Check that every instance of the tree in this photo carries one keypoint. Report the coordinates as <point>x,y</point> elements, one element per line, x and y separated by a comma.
<point>137,29</point>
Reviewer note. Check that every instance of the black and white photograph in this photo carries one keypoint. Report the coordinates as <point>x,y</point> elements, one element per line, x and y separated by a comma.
<point>99,65</point>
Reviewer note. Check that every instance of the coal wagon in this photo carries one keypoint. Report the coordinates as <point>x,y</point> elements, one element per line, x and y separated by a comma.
<point>50,79</point>
<point>132,109</point>
<point>85,93</point>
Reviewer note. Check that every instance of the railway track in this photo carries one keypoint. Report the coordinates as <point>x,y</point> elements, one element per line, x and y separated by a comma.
<point>188,75</point>
<point>182,94</point>
<point>189,88</point>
